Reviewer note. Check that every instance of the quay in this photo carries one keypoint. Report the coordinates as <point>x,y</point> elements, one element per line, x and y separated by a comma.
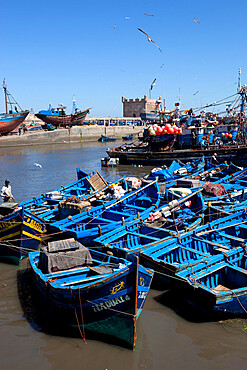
<point>74,134</point>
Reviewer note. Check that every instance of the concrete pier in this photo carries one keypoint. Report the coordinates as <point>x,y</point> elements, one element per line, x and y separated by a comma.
<point>75,134</point>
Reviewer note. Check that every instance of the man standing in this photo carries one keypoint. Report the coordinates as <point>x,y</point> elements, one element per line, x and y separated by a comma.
<point>6,192</point>
<point>214,160</point>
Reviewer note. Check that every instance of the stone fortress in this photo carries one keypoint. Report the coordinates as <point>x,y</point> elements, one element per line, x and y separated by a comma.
<point>134,107</point>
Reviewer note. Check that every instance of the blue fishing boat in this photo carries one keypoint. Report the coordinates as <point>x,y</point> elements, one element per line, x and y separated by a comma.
<point>87,225</point>
<point>20,232</point>
<point>193,247</point>
<point>89,290</point>
<point>22,225</point>
<point>128,137</point>
<point>217,286</point>
<point>162,224</point>
<point>177,170</point>
<point>14,115</point>
<point>104,138</point>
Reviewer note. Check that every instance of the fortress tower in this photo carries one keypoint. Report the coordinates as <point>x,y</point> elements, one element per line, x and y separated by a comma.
<point>134,107</point>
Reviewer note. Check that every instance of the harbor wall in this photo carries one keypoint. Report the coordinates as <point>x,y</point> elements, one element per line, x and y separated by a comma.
<point>75,134</point>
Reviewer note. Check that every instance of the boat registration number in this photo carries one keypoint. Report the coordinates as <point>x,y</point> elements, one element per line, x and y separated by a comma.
<point>111,303</point>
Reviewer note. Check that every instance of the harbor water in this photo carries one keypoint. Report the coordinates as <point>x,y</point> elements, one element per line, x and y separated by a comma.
<point>169,335</point>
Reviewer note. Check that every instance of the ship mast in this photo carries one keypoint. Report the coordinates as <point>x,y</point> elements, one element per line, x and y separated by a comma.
<point>5,94</point>
<point>239,83</point>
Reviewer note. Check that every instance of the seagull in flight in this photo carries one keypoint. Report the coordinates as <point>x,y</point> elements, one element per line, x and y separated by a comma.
<point>196,20</point>
<point>127,17</point>
<point>162,65</point>
<point>38,165</point>
<point>196,92</point>
<point>149,39</point>
<point>149,15</point>
<point>114,26</point>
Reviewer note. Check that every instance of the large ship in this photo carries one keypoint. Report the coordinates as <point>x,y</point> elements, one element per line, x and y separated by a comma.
<point>188,136</point>
<point>58,117</point>
<point>14,115</point>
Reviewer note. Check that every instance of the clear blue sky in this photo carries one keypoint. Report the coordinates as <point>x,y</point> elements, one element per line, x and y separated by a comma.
<point>53,49</point>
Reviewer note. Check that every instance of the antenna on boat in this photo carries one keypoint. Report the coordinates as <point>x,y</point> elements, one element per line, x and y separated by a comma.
<point>239,82</point>
<point>74,108</point>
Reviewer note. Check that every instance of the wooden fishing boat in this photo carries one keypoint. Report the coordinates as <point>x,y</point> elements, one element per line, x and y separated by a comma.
<point>217,286</point>
<point>177,170</point>
<point>193,247</point>
<point>104,138</point>
<point>92,291</point>
<point>58,117</point>
<point>139,235</point>
<point>86,226</point>
<point>10,120</point>
<point>20,232</point>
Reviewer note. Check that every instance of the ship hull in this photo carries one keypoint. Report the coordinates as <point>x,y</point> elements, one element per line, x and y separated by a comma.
<point>67,120</point>
<point>9,122</point>
<point>157,158</point>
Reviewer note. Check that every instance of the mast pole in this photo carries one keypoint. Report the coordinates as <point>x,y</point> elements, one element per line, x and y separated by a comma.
<point>5,94</point>
<point>239,82</point>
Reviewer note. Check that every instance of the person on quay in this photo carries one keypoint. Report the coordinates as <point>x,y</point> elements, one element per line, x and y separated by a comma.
<point>6,193</point>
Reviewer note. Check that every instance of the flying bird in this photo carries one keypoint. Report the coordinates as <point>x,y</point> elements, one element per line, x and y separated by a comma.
<point>127,17</point>
<point>149,39</point>
<point>149,15</point>
<point>196,20</point>
<point>114,26</point>
<point>196,92</point>
<point>38,165</point>
<point>162,66</point>
<point>153,83</point>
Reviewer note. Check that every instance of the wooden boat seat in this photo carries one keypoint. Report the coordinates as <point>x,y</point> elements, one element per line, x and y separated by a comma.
<point>221,288</point>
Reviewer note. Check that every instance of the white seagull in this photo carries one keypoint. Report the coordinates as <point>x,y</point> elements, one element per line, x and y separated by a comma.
<point>38,165</point>
<point>149,39</point>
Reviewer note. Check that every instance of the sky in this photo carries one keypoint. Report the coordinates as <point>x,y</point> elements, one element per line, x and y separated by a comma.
<point>52,50</point>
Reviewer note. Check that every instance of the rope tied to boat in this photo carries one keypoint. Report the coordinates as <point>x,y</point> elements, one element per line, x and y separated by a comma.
<point>82,332</point>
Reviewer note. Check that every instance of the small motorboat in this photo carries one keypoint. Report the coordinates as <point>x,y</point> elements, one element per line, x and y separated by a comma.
<point>109,162</point>
<point>104,138</point>
<point>128,137</point>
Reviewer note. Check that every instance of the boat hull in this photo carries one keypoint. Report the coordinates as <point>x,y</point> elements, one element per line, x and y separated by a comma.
<point>20,232</point>
<point>158,158</point>
<point>108,308</point>
<point>67,120</point>
<point>9,122</point>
